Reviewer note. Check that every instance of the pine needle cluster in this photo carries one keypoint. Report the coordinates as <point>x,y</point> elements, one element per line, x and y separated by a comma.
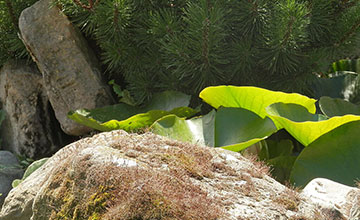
<point>188,45</point>
<point>10,44</point>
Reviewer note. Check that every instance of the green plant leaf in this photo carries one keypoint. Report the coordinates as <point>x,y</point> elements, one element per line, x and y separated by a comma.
<point>130,124</point>
<point>337,107</point>
<point>116,88</point>
<point>281,167</point>
<point>344,85</point>
<point>302,125</point>
<point>167,101</point>
<point>230,128</point>
<point>86,117</point>
<point>334,155</point>
<point>252,98</point>
<point>345,65</point>
<point>199,130</point>
<point>135,122</point>
<point>33,166</point>
<point>118,112</point>
<point>123,116</point>
<point>238,128</point>
<point>124,95</point>
<point>276,148</point>
<point>16,182</point>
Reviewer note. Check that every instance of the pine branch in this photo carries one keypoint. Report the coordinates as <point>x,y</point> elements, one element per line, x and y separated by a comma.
<point>349,34</point>
<point>205,43</point>
<point>342,6</point>
<point>288,32</point>
<point>13,17</point>
<point>89,7</point>
<point>187,45</point>
<point>116,17</point>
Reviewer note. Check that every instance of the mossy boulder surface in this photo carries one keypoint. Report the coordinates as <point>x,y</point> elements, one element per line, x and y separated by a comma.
<point>116,175</point>
<point>105,183</point>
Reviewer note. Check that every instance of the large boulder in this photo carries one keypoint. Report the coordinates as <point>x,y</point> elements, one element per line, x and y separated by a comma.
<point>29,127</point>
<point>69,67</point>
<point>116,175</point>
<point>10,170</point>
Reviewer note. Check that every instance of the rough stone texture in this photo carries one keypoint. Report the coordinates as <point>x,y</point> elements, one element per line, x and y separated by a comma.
<point>9,170</point>
<point>334,196</point>
<point>115,175</point>
<point>352,205</point>
<point>29,127</point>
<point>69,67</point>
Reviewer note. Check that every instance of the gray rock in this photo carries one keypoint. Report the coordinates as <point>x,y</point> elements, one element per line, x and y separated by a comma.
<point>116,175</point>
<point>10,170</point>
<point>8,159</point>
<point>334,196</point>
<point>29,127</point>
<point>69,67</point>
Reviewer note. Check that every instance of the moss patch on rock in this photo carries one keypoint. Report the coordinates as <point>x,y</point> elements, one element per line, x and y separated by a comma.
<point>161,186</point>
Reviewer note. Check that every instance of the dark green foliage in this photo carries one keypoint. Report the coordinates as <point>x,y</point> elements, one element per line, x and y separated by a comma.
<point>10,44</point>
<point>278,44</point>
<point>188,45</point>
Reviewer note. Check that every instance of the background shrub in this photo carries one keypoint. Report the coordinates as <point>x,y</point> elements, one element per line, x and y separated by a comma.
<point>187,45</point>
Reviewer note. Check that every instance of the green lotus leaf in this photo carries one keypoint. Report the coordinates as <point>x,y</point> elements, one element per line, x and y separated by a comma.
<point>129,118</point>
<point>29,170</point>
<point>302,125</point>
<point>238,128</point>
<point>167,101</point>
<point>343,84</point>
<point>281,167</point>
<point>252,98</point>
<point>334,155</point>
<point>271,149</point>
<point>198,130</point>
<point>82,116</point>
<point>230,128</point>
<point>136,122</point>
<point>337,107</point>
<point>117,112</point>
<point>132,123</point>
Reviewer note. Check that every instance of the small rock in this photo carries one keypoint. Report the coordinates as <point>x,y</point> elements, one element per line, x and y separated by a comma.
<point>8,159</point>
<point>29,128</point>
<point>330,195</point>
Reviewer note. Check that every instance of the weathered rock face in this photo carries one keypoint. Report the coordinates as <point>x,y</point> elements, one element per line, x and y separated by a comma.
<point>69,68</point>
<point>116,175</point>
<point>330,195</point>
<point>28,128</point>
<point>9,171</point>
